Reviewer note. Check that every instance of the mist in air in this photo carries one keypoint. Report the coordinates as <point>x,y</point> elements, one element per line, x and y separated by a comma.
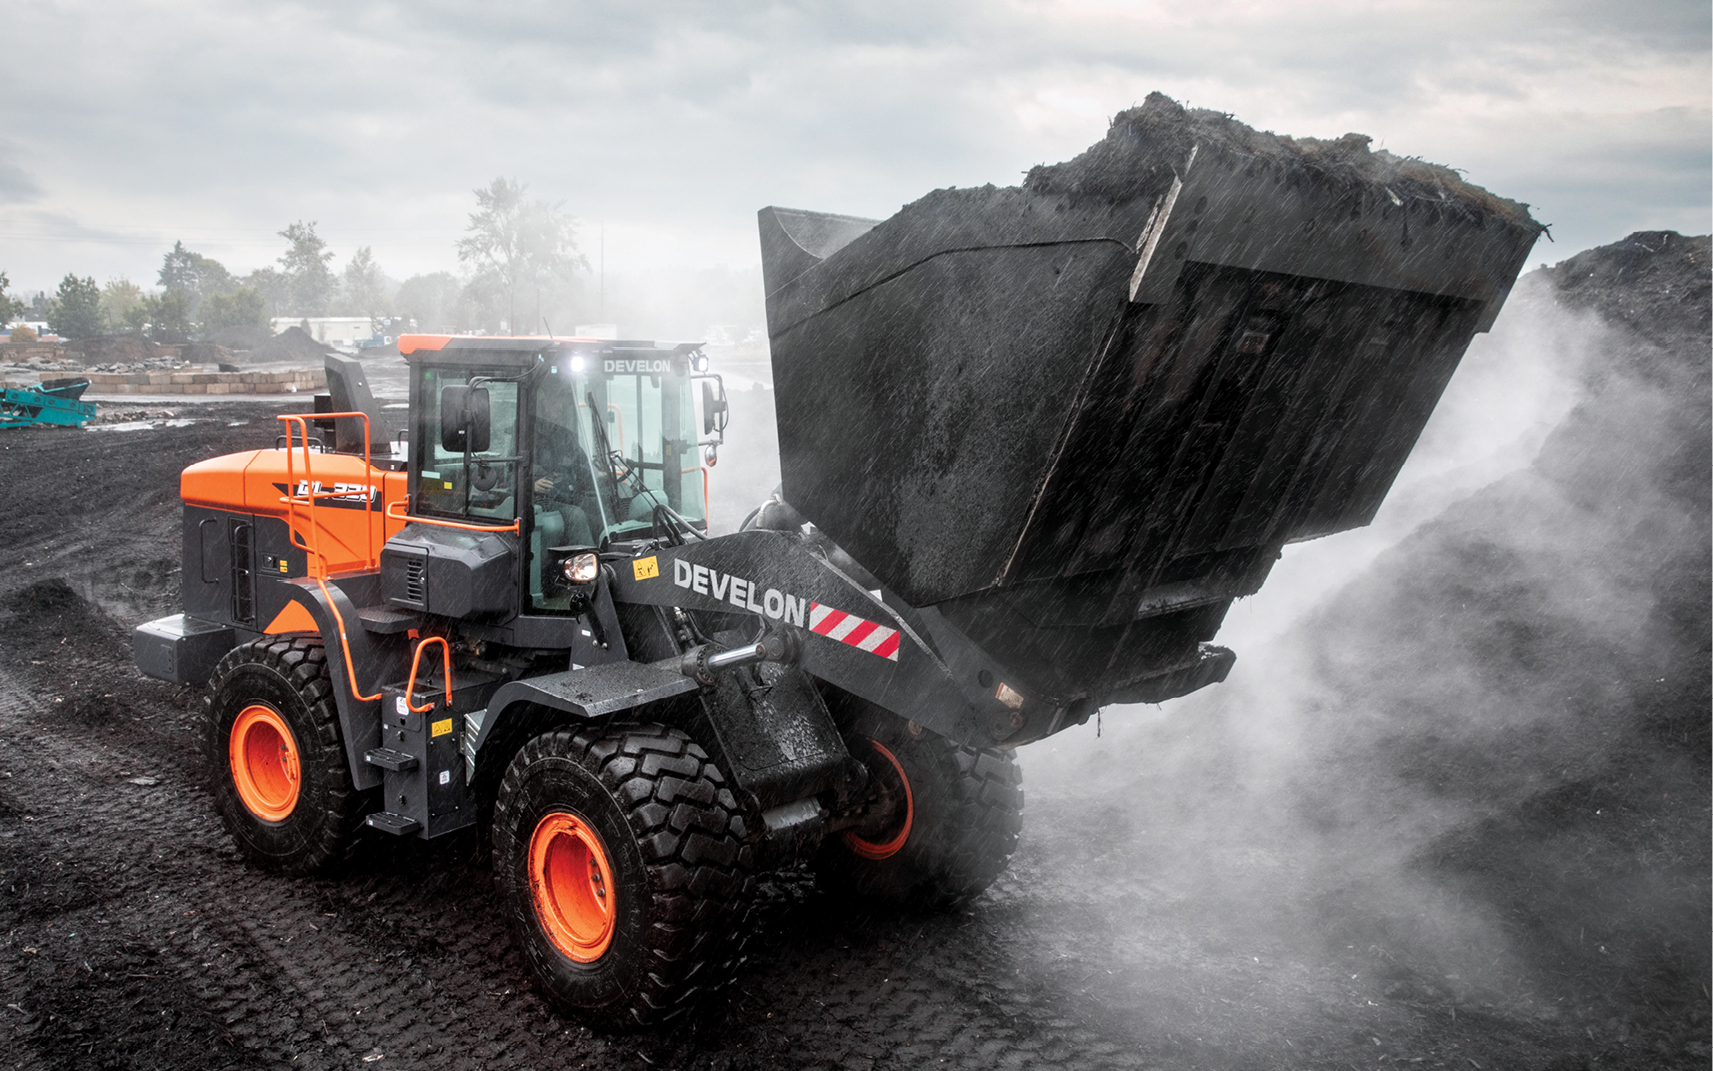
<point>1445,773</point>
<point>1462,750</point>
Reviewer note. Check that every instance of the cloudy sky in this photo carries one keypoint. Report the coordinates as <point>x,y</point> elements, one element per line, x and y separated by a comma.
<point>664,126</point>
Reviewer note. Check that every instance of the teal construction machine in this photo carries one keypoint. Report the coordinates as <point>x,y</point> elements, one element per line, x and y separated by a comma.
<point>53,402</point>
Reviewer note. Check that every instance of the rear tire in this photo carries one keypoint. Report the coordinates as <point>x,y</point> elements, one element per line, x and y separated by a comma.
<point>949,816</point>
<point>620,859</point>
<point>272,743</point>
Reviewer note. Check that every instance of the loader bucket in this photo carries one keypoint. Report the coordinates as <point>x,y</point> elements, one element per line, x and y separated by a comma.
<point>1081,415</point>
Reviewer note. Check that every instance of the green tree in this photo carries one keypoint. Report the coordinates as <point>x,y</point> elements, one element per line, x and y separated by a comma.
<point>310,283</point>
<point>517,246</point>
<point>243,307</point>
<point>431,301</point>
<point>193,274</point>
<point>120,301</point>
<point>164,316</point>
<point>274,287</point>
<point>363,286</point>
<point>76,310</point>
<point>10,308</point>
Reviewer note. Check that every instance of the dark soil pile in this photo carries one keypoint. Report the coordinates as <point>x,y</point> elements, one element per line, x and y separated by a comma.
<point>112,349</point>
<point>1146,144</point>
<point>238,339</point>
<point>204,353</point>
<point>1533,669</point>
<point>68,644</point>
<point>294,345</point>
<point>48,615</point>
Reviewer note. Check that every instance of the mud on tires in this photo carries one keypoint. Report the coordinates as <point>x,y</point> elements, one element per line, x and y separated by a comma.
<point>620,859</point>
<point>272,742</point>
<point>952,815</point>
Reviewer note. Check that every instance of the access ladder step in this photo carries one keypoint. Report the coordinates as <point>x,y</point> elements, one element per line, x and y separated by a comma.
<point>388,759</point>
<point>397,824</point>
<point>387,621</point>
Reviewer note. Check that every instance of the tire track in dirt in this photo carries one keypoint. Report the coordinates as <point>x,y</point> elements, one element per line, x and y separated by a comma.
<point>285,988</point>
<point>157,946</point>
<point>406,958</point>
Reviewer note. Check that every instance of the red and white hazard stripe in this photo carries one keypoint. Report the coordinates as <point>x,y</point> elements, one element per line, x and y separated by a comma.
<point>851,629</point>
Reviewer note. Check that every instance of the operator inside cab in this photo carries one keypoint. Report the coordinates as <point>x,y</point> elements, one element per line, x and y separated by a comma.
<point>564,482</point>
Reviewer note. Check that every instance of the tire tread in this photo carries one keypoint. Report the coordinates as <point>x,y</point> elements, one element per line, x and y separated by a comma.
<point>301,660</point>
<point>690,835</point>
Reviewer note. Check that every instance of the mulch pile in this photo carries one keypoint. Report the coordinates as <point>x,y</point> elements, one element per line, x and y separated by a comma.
<point>293,344</point>
<point>1144,146</point>
<point>1536,663</point>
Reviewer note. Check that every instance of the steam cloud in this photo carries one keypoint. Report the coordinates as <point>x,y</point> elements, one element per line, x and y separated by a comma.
<point>1456,767</point>
<point>1462,758</point>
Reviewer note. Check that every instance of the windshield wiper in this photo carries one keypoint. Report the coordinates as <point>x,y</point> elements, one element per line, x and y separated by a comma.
<point>606,445</point>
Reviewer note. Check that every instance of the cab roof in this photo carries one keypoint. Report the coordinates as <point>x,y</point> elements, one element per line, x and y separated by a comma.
<point>416,347</point>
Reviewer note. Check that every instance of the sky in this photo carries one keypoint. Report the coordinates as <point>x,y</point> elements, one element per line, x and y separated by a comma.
<point>663,127</point>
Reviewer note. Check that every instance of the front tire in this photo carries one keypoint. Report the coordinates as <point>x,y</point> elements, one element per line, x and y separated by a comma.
<point>272,743</point>
<point>944,820</point>
<point>620,858</point>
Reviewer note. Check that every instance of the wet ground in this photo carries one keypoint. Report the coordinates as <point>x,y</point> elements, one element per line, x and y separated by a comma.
<point>1175,902</point>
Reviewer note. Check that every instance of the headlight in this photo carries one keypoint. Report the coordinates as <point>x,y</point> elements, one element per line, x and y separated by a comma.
<point>581,568</point>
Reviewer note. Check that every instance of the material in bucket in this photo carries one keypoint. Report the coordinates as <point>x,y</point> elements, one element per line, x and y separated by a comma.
<point>1081,415</point>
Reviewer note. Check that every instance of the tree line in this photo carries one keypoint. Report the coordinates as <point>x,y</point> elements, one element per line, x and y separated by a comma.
<point>520,259</point>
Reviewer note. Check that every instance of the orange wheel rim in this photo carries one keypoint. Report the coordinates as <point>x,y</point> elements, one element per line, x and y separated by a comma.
<point>884,849</point>
<point>264,762</point>
<point>572,884</point>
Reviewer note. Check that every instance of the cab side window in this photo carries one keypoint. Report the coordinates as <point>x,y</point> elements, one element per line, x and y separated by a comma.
<point>484,486</point>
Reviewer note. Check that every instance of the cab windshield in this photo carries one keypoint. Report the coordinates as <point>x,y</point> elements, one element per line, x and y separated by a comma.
<point>612,443</point>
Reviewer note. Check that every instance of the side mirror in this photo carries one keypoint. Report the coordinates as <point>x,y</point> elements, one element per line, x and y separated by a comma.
<point>464,419</point>
<point>713,408</point>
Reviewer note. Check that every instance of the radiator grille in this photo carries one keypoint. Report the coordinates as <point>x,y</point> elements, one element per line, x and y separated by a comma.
<point>415,580</point>
<point>243,607</point>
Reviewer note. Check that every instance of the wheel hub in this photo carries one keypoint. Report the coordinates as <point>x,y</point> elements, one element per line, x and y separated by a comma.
<point>893,811</point>
<point>572,884</point>
<point>265,766</point>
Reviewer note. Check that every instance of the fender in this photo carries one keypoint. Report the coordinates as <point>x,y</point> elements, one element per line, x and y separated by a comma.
<point>588,693</point>
<point>379,658</point>
<point>775,750</point>
<point>871,644</point>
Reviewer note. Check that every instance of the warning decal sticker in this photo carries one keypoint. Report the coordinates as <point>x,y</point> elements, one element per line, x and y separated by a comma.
<point>851,629</point>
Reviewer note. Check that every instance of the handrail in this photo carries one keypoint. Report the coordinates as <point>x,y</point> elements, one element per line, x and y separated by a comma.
<point>416,660</point>
<point>301,422</point>
<point>516,527</point>
<point>707,512</point>
<point>345,645</point>
<point>620,413</point>
<point>317,565</point>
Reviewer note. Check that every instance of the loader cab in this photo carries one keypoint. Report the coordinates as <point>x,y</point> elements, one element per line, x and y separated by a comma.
<point>561,445</point>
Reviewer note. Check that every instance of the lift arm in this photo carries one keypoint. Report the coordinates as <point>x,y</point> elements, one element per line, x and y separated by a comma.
<point>867,642</point>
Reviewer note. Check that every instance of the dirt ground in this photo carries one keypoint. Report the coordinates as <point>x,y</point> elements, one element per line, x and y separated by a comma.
<point>1128,933</point>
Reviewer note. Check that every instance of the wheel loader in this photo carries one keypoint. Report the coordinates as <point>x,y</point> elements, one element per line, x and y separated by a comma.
<point>1034,442</point>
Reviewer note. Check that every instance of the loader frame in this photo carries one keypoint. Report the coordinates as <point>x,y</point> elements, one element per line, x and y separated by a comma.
<point>755,643</point>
